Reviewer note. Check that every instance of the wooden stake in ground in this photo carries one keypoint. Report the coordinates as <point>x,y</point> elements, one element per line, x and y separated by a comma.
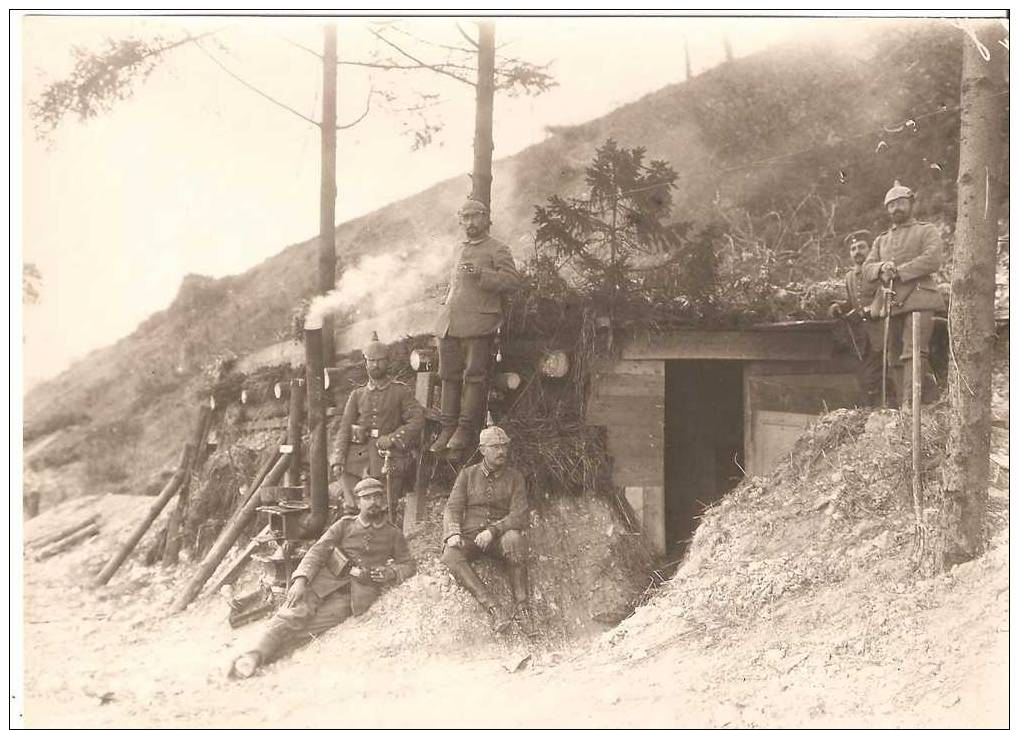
<point>228,536</point>
<point>175,526</point>
<point>165,496</point>
<point>959,501</point>
<point>327,188</point>
<point>917,383</point>
<point>45,540</point>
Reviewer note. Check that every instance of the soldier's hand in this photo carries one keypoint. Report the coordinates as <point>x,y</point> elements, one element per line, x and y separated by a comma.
<point>484,539</point>
<point>384,442</point>
<point>335,470</point>
<point>297,590</point>
<point>356,572</point>
<point>454,541</point>
<point>888,272</point>
<point>384,574</point>
<point>835,311</point>
<point>470,271</point>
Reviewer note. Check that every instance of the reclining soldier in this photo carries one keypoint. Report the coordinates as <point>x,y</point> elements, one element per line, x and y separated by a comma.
<point>340,576</point>
<point>485,516</point>
<point>380,416</point>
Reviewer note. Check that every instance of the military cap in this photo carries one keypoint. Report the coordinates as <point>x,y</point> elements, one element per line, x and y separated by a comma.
<point>492,436</point>
<point>861,235</point>
<point>473,206</point>
<point>368,485</point>
<point>375,349</point>
<point>896,191</point>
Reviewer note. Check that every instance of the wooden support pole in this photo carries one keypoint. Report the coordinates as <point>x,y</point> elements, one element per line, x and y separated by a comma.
<point>484,104</point>
<point>74,538</point>
<point>917,383</point>
<point>234,566</point>
<point>165,496</point>
<point>175,525</point>
<point>228,536</point>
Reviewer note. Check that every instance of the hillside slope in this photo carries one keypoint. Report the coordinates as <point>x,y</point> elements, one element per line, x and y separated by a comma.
<point>813,112</point>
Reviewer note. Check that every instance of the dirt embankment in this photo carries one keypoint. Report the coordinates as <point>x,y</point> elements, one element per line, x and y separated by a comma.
<point>797,605</point>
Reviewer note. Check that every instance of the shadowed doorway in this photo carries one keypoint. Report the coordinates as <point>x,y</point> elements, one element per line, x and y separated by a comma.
<point>703,441</point>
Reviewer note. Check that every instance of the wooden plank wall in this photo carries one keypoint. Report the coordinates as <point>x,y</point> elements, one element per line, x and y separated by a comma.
<point>628,399</point>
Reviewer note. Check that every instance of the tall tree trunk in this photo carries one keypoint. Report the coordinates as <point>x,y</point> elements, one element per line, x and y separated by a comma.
<point>959,502</point>
<point>686,57</point>
<point>728,48</point>
<point>327,199</point>
<point>482,176</point>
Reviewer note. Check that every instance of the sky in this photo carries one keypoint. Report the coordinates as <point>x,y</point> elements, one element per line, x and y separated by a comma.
<point>195,173</point>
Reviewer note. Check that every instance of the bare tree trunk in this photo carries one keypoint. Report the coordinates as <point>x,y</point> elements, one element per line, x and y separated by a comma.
<point>959,501</point>
<point>728,48</point>
<point>686,57</point>
<point>483,145</point>
<point>327,200</point>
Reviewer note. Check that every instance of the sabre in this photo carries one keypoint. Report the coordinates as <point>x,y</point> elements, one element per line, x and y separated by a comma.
<point>889,294</point>
<point>852,337</point>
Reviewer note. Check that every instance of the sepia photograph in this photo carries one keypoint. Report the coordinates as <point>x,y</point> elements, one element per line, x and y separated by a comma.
<point>509,369</point>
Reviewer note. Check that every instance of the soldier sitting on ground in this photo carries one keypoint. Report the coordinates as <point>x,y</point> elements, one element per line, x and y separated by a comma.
<point>380,416</point>
<point>340,576</point>
<point>486,516</point>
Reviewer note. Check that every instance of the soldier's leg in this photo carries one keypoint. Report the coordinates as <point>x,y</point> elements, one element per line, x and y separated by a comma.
<point>906,356</point>
<point>512,547</point>
<point>472,409</point>
<point>458,561</point>
<point>295,625</point>
<point>347,482</point>
<point>893,355</point>
<point>451,372</point>
<point>868,372</point>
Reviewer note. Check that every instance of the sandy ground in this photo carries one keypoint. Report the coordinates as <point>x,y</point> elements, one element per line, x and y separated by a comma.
<point>862,652</point>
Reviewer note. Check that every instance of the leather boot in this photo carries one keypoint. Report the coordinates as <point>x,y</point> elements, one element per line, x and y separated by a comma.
<point>473,584</point>
<point>448,414</point>
<point>471,416</point>
<point>518,582</point>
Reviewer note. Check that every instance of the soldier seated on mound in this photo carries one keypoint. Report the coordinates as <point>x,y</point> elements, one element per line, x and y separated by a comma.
<point>340,576</point>
<point>485,516</point>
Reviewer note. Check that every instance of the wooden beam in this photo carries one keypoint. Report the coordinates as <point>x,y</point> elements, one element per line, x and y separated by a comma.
<point>728,345</point>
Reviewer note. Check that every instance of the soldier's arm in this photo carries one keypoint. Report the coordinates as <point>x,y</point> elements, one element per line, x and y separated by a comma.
<point>517,517</point>
<point>317,554</point>
<point>454,511</point>
<point>872,264</point>
<point>929,259</point>
<point>341,440</point>
<point>404,564</point>
<point>503,277</point>
<point>412,416</point>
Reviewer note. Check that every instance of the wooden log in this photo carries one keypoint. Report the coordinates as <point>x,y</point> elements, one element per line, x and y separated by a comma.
<point>228,536</point>
<point>165,496</point>
<point>178,517</point>
<point>234,566</point>
<point>40,542</point>
<point>73,539</point>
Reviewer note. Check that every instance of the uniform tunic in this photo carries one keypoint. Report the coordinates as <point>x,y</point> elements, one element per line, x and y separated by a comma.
<point>331,598</point>
<point>473,306</point>
<point>391,409</point>
<point>486,500</point>
<point>915,247</point>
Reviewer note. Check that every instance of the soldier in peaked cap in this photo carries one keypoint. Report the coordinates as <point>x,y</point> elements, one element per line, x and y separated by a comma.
<point>486,516</point>
<point>340,576</point>
<point>483,271</point>
<point>866,334</point>
<point>904,259</point>
<point>380,416</point>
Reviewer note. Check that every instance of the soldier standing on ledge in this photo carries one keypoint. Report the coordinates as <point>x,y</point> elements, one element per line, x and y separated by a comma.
<point>483,271</point>
<point>865,333</point>
<point>904,258</point>
<point>381,416</point>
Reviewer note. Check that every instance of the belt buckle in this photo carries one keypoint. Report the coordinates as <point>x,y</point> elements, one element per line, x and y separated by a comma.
<point>374,433</point>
